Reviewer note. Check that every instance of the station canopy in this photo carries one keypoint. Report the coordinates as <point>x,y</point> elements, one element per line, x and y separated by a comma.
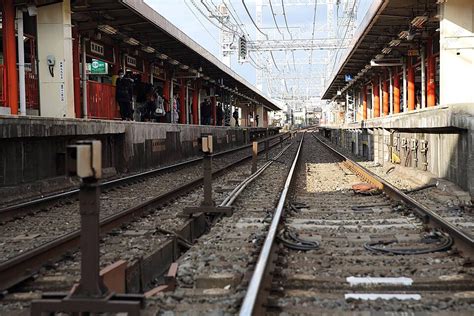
<point>135,19</point>
<point>386,25</point>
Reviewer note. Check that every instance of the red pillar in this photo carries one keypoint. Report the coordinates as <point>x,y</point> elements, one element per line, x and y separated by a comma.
<point>182,102</point>
<point>213,106</point>
<point>396,92</point>
<point>376,101</point>
<point>9,55</point>
<point>364,102</point>
<point>411,87</point>
<point>385,98</point>
<point>196,104</point>
<point>431,78</point>
<point>76,73</point>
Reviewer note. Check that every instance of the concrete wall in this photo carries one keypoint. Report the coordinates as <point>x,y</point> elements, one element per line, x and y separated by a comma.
<point>448,132</point>
<point>33,148</point>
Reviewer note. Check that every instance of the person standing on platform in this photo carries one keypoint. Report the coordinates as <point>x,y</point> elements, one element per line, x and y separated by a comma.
<point>206,112</point>
<point>257,117</point>
<point>175,113</point>
<point>235,115</point>
<point>124,94</point>
<point>219,114</point>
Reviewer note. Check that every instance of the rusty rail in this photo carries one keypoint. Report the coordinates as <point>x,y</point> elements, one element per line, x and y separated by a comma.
<point>22,267</point>
<point>463,240</point>
<point>256,292</point>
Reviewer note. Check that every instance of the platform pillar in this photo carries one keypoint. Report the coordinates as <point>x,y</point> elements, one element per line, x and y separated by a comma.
<point>196,104</point>
<point>182,103</point>
<point>10,56</point>
<point>456,52</point>
<point>364,102</point>
<point>376,101</point>
<point>396,92</point>
<point>55,60</point>
<point>411,86</point>
<point>431,78</point>
<point>76,58</point>
<point>385,97</point>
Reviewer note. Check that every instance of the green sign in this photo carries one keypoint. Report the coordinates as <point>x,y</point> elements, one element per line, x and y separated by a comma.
<point>97,67</point>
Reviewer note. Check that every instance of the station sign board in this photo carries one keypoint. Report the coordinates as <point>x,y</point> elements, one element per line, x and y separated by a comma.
<point>97,67</point>
<point>413,52</point>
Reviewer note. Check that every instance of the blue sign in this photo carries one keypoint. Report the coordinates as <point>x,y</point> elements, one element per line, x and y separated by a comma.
<point>348,78</point>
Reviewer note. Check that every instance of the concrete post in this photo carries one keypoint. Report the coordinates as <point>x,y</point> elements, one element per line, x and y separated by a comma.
<point>21,61</point>
<point>55,60</point>
<point>456,52</point>
<point>254,156</point>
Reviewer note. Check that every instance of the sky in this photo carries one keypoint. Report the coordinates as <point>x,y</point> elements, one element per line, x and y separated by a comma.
<point>185,15</point>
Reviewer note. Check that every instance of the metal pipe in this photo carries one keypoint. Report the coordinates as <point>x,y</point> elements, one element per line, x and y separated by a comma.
<point>250,300</point>
<point>21,61</point>
<point>84,78</point>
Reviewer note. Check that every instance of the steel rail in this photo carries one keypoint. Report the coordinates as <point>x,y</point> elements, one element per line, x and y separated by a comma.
<point>21,209</point>
<point>463,239</point>
<point>229,200</point>
<point>255,287</point>
<point>22,267</point>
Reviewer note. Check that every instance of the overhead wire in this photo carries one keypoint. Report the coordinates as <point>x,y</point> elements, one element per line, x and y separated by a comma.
<point>253,21</point>
<point>274,18</point>
<point>344,37</point>
<point>200,22</point>
<point>286,21</point>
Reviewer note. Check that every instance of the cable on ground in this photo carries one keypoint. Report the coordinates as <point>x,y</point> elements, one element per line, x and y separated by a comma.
<point>291,240</point>
<point>444,243</point>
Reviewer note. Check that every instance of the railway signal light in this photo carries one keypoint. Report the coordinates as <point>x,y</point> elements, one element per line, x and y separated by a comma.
<point>243,49</point>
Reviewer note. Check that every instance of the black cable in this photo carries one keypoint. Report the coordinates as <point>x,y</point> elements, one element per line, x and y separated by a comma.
<point>445,240</point>
<point>291,240</point>
<point>274,19</point>
<point>286,21</point>
<point>251,18</point>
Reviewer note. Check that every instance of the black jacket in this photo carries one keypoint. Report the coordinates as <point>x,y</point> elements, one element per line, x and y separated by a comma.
<point>124,90</point>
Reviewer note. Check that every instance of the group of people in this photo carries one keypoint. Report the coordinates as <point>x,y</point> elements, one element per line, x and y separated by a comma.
<point>149,102</point>
<point>151,106</point>
<point>206,113</point>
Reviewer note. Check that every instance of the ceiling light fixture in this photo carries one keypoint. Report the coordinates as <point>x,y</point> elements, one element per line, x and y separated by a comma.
<point>174,62</point>
<point>162,56</point>
<point>131,41</point>
<point>184,67</point>
<point>148,49</point>
<point>403,34</point>
<point>107,29</point>
<point>394,43</point>
<point>387,50</point>
<point>419,21</point>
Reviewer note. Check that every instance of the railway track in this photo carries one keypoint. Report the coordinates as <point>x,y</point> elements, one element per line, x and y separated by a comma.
<point>29,253</point>
<point>22,208</point>
<point>344,252</point>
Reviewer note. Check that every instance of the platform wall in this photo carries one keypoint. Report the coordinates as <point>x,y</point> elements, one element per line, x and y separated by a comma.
<point>33,149</point>
<point>448,133</point>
